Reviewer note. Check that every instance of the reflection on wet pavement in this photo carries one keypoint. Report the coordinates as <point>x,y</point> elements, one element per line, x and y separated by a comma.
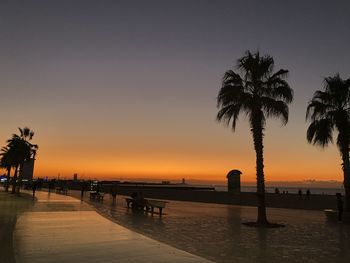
<point>11,206</point>
<point>215,232</point>
<point>47,202</point>
<point>62,229</point>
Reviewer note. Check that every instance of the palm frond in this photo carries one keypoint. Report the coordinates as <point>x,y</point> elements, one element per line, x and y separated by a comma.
<point>328,110</point>
<point>275,109</point>
<point>280,90</point>
<point>317,110</point>
<point>256,91</point>
<point>229,113</point>
<point>280,74</point>
<point>320,132</point>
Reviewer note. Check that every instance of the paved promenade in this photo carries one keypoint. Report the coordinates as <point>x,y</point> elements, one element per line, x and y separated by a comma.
<point>216,232</point>
<point>63,229</point>
<point>11,207</point>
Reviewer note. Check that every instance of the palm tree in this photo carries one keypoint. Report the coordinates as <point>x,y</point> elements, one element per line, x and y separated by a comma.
<point>27,135</point>
<point>329,110</point>
<point>259,93</point>
<point>23,151</point>
<point>6,162</point>
<point>18,152</point>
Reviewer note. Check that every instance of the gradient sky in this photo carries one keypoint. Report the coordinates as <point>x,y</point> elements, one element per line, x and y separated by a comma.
<point>128,88</point>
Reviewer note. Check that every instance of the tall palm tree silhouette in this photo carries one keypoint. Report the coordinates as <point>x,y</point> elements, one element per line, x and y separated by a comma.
<point>329,110</point>
<point>22,151</point>
<point>259,93</point>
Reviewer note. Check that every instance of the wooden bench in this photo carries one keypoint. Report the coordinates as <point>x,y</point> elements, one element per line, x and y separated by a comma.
<point>150,204</point>
<point>96,196</point>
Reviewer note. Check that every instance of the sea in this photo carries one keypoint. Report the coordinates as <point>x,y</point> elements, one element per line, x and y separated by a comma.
<point>330,187</point>
<point>290,190</point>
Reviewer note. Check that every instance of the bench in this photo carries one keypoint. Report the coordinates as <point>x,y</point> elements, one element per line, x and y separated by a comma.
<point>150,204</point>
<point>96,196</point>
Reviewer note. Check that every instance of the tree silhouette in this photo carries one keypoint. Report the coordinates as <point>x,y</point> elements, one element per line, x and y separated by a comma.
<point>6,162</point>
<point>329,110</point>
<point>22,151</point>
<point>259,93</point>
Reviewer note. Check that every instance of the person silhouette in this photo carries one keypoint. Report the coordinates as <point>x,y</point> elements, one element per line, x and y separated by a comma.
<point>308,193</point>
<point>83,189</point>
<point>300,193</point>
<point>114,193</point>
<point>34,188</point>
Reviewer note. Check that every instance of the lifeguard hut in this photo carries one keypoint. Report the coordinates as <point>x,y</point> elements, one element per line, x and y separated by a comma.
<point>234,181</point>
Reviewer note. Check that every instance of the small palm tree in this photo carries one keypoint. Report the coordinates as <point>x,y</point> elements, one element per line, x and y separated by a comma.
<point>6,163</point>
<point>259,93</point>
<point>22,151</point>
<point>329,110</point>
<point>17,154</point>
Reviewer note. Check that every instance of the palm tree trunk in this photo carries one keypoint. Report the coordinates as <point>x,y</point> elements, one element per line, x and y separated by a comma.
<point>258,146</point>
<point>346,171</point>
<point>14,183</point>
<point>343,145</point>
<point>20,176</point>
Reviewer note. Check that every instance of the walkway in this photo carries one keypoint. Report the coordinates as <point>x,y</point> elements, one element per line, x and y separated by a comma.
<point>11,207</point>
<point>216,232</point>
<point>63,229</point>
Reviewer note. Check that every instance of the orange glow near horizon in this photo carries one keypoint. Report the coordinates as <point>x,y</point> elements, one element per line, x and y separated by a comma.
<point>192,157</point>
<point>166,169</point>
<point>169,164</point>
<point>134,96</point>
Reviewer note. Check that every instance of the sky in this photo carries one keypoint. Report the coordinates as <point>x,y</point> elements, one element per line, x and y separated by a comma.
<point>127,89</point>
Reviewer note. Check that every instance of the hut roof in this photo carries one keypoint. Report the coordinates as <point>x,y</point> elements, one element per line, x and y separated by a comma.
<point>233,173</point>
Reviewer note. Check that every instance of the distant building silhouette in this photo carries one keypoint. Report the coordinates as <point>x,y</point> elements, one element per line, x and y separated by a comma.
<point>28,169</point>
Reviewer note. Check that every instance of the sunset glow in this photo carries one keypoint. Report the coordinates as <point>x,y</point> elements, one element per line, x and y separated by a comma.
<point>106,102</point>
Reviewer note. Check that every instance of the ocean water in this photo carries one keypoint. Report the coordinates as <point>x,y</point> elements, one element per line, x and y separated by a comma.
<point>291,190</point>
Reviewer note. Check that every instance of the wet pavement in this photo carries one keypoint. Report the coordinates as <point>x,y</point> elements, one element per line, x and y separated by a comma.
<point>216,232</point>
<point>60,228</point>
<point>11,207</point>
